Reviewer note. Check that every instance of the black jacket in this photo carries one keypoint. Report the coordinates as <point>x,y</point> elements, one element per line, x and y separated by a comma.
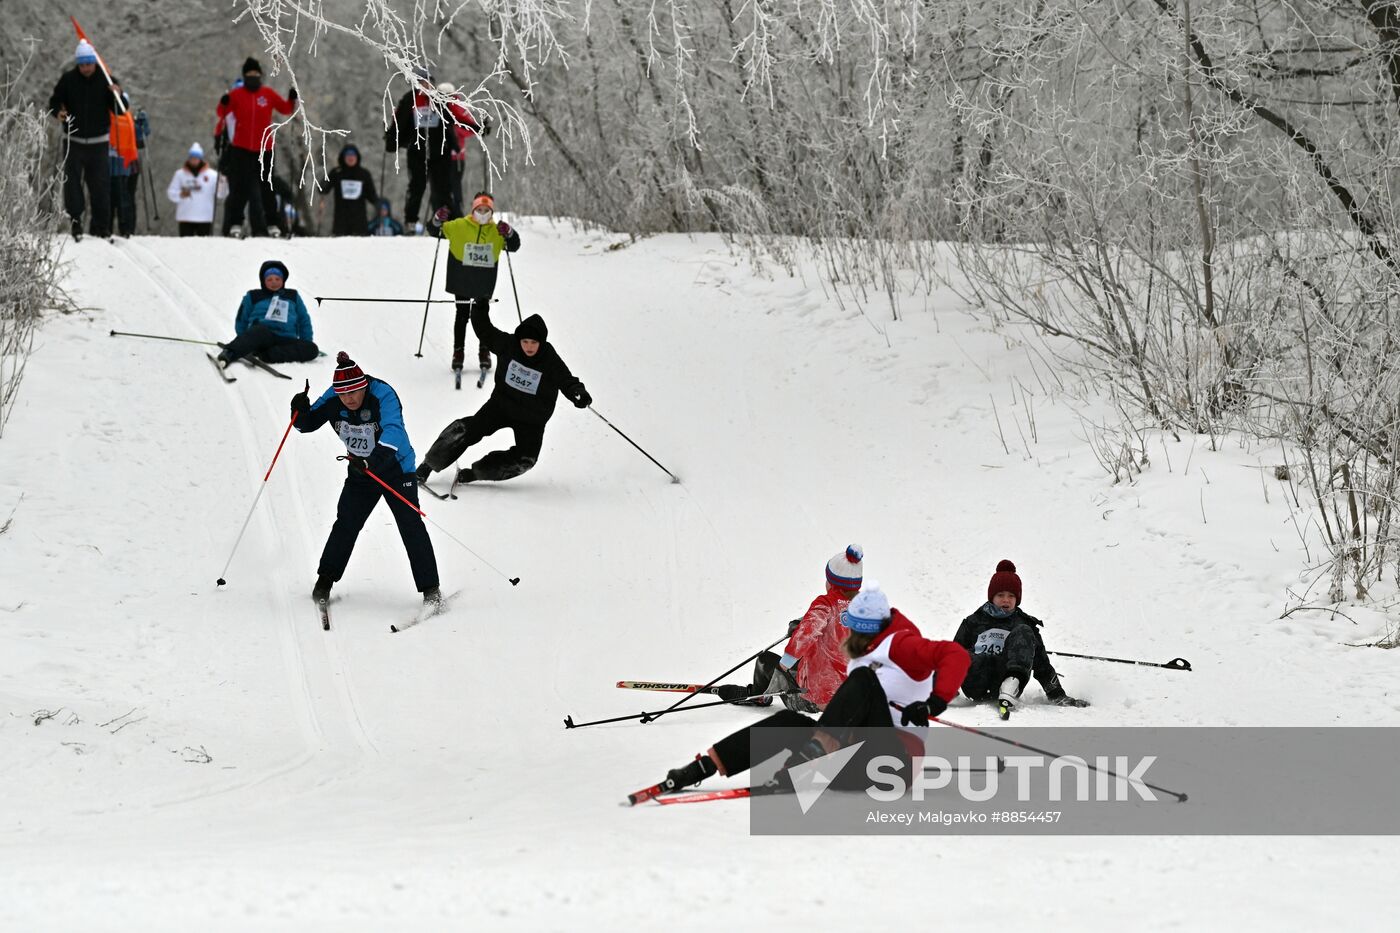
<point>438,141</point>
<point>527,386</point>
<point>89,102</point>
<point>355,198</point>
<point>1014,641</point>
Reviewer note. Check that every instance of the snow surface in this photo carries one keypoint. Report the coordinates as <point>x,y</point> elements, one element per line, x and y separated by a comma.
<point>215,761</point>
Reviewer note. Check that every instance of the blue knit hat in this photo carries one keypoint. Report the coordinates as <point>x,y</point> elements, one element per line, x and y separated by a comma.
<point>844,571</point>
<point>869,612</point>
<point>86,54</point>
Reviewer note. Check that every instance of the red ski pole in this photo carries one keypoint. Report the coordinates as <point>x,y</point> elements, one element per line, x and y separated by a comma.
<point>514,581</point>
<point>221,581</point>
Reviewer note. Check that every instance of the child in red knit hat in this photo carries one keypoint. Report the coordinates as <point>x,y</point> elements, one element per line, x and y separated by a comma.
<point>1006,648</point>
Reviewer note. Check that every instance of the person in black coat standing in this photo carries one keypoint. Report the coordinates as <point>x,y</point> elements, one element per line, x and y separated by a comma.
<point>427,142</point>
<point>529,376</point>
<point>352,189</point>
<point>83,103</point>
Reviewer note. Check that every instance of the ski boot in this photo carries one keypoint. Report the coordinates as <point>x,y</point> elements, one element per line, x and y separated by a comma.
<point>483,359</point>
<point>695,772</point>
<point>321,592</point>
<point>466,476</point>
<point>1009,698</point>
<point>458,355</point>
<point>432,600</point>
<point>423,472</point>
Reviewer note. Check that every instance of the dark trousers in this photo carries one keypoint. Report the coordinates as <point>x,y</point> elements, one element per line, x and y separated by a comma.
<point>87,163</point>
<point>245,190</point>
<point>190,228</point>
<point>269,346</point>
<point>859,702</point>
<point>430,173</point>
<point>459,171</point>
<point>358,497</point>
<point>984,677</point>
<point>499,464</point>
<point>464,316</point>
<point>123,203</point>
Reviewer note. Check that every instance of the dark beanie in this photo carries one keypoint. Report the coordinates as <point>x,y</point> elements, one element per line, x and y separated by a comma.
<point>1005,580</point>
<point>252,64</point>
<point>532,328</point>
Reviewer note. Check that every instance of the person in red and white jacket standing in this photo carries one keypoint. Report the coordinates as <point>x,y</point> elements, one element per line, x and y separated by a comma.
<point>251,106</point>
<point>894,676</point>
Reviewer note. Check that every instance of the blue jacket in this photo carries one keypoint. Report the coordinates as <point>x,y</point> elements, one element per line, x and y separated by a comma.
<point>374,431</point>
<point>282,310</point>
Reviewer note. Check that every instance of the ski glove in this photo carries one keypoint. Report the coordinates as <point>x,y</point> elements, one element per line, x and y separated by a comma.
<point>504,228</point>
<point>223,101</point>
<point>914,714</point>
<point>292,96</point>
<point>579,395</point>
<point>357,465</point>
<point>1065,699</point>
<point>441,215</point>
<point>301,402</point>
<point>793,626</point>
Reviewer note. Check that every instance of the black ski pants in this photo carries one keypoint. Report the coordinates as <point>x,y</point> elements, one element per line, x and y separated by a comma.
<point>193,228</point>
<point>431,173</point>
<point>269,346</point>
<point>86,163</point>
<point>242,168</point>
<point>124,203</point>
<point>465,303</point>
<point>988,670</point>
<point>499,464</point>
<point>358,497</point>
<point>859,702</point>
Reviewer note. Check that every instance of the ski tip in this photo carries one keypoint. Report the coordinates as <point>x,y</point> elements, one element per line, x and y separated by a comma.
<point>393,628</point>
<point>220,582</point>
<point>514,581</point>
<point>675,481</point>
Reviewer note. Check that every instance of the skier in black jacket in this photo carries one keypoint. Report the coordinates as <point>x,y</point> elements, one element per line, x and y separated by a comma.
<point>529,375</point>
<point>418,130</point>
<point>83,103</point>
<point>352,188</point>
<point>1006,648</point>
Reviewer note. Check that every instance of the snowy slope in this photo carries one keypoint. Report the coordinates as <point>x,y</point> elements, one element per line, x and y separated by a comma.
<point>358,780</point>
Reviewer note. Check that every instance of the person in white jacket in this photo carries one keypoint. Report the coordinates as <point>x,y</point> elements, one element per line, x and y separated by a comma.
<point>193,189</point>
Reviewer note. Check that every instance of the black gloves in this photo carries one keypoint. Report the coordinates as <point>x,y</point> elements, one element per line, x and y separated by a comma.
<point>223,101</point>
<point>301,402</point>
<point>1064,699</point>
<point>918,714</point>
<point>486,124</point>
<point>793,627</point>
<point>292,95</point>
<point>357,465</point>
<point>579,395</point>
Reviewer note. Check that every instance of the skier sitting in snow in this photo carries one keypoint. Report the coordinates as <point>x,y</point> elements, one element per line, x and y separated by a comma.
<point>474,245</point>
<point>368,417</point>
<point>530,375</point>
<point>1006,648</point>
<point>272,323</point>
<point>814,660</point>
<point>887,662</point>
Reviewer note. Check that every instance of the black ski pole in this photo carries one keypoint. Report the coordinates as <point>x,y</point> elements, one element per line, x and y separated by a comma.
<point>704,687</point>
<point>124,333</point>
<point>520,316</point>
<point>674,477</point>
<point>398,301</point>
<point>1180,797</point>
<point>1175,664</point>
<point>648,717</point>
<point>428,300</point>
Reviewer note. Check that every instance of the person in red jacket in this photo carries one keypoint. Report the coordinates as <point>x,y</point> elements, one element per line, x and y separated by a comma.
<point>895,676</point>
<point>813,660</point>
<point>251,107</point>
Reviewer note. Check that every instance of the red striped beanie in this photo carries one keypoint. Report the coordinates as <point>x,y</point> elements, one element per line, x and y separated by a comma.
<point>349,377</point>
<point>845,571</point>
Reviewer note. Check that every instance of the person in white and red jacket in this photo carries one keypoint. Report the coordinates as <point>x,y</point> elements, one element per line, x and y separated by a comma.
<point>193,190</point>
<point>894,676</point>
<point>251,105</point>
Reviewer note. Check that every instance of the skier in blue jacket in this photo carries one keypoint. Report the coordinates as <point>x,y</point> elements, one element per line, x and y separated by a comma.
<point>366,414</point>
<point>272,323</point>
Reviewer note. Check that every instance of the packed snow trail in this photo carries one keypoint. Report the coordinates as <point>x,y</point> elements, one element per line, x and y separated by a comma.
<point>173,749</point>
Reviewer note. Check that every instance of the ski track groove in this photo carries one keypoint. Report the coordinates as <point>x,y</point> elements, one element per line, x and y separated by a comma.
<point>298,622</point>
